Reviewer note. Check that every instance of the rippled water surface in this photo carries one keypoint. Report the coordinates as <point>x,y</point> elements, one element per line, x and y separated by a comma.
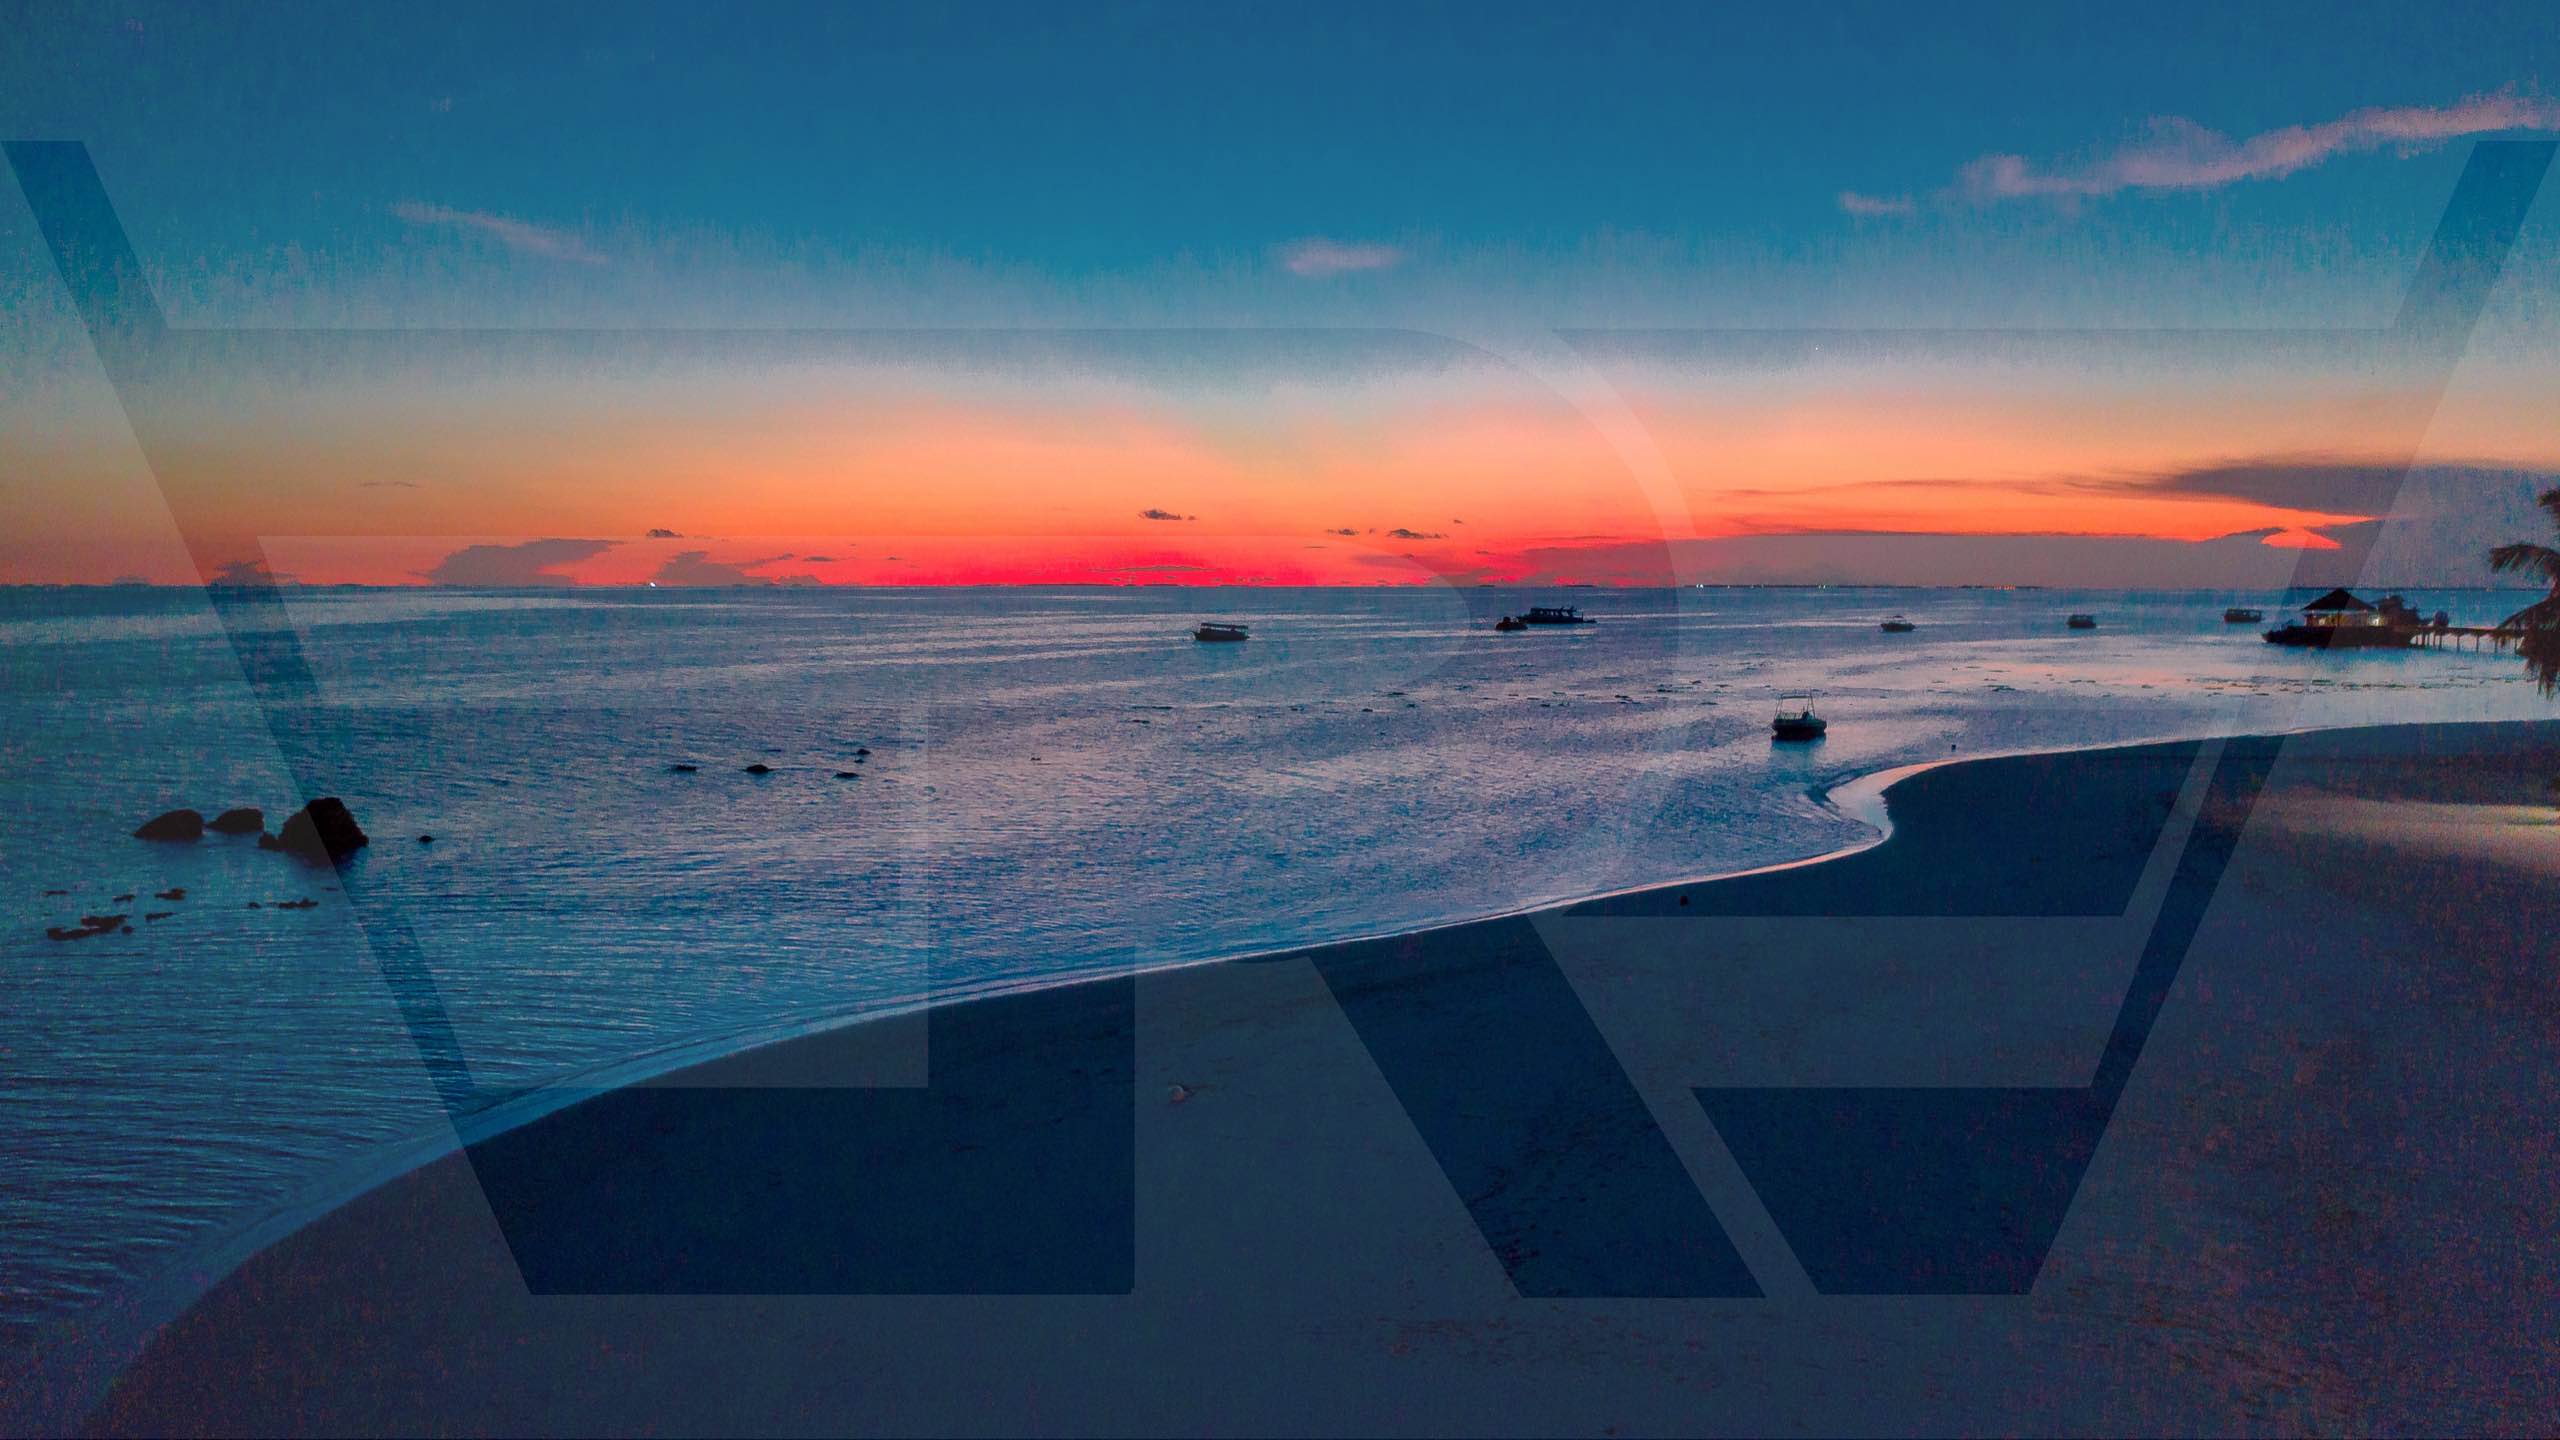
<point>1057,781</point>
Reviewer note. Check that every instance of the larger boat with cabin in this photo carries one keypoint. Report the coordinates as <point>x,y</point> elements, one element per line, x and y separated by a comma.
<point>1555,615</point>
<point>1212,632</point>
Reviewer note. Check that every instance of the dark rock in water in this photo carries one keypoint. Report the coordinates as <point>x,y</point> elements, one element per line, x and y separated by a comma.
<point>759,768</point>
<point>89,925</point>
<point>176,825</point>
<point>119,899</point>
<point>848,774</point>
<point>861,750</point>
<point>682,769</point>
<point>174,892</point>
<point>245,820</point>
<point>426,839</point>
<point>321,830</point>
<point>159,914</point>
<point>57,892</point>
<point>254,905</point>
<point>305,903</point>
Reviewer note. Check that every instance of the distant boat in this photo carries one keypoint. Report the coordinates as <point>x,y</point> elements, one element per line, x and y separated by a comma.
<point>1509,623</point>
<point>1796,720</point>
<point>1555,615</point>
<point>2082,622</point>
<point>2240,615</point>
<point>1899,626</point>
<point>1209,631</point>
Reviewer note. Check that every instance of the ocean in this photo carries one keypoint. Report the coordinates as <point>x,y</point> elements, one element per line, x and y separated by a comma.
<point>969,790</point>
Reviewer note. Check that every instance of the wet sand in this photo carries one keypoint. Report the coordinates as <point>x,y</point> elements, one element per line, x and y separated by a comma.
<point>2172,1088</point>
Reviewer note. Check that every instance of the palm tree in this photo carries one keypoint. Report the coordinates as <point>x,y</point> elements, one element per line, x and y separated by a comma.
<point>2540,621</point>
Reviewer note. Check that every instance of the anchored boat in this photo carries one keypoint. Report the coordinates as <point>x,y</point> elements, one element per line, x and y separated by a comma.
<point>1509,623</point>
<point>1898,626</point>
<point>2082,622</point>
<point>1796,719</point>
<point>1555,615</point>
<point>1211,631</point>
<point>2242,615</point>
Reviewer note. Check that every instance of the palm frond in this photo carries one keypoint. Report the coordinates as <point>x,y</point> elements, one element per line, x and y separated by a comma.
<point>2542,614</point>
<point>2541,652</point>
<point>2526,557</point>
<point>2539,644</point>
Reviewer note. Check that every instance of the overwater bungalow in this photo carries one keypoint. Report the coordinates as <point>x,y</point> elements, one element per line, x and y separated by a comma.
<point>2341,621</point>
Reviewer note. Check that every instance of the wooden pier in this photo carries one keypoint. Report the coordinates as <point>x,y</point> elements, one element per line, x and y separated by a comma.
<point>2454,637</point>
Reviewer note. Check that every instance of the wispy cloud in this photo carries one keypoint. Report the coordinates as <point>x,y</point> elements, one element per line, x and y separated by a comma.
<point>1401,533</point>
<point>532,562</point>
<point>1318,258</point>
<point>696,567</point>
<point>522,236</point>
<point>1153,513</point>
<point>1875,206</point>
<point>2179,154</point>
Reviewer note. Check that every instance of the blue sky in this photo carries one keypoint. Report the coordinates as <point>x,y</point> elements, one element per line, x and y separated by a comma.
<point>1071,145</point>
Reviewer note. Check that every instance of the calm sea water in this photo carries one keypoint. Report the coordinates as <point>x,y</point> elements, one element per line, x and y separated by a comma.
<point>1057,782</point>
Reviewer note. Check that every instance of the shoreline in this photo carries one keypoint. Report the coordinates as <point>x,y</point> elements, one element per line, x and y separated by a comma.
<point>254,1244</point>
<point>1860,797</point>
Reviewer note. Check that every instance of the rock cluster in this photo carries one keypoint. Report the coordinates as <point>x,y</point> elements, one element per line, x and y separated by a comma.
<point>320,831</point>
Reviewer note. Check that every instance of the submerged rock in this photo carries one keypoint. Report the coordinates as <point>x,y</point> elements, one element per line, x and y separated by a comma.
<point>89,925</point>
<point>682,769</point>
<point>759,768</point>
<point>321,830</point>
<point>176,825</point>
<point>174,892</point>
<point>241,820</point>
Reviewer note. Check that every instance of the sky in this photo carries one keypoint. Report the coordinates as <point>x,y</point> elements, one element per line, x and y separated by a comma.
<point>1337,295</point>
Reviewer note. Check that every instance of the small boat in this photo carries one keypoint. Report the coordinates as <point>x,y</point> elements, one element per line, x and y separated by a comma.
<point>2082,622</point>
<point>1899,626</point>
<point>1555,615</point>
<point>1509,623</point>
<point>2240,615</point>
<point>1796,720</point>
<point>1209,631</point>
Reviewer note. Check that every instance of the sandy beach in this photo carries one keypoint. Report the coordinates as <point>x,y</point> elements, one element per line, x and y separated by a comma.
<point>2161,1089</point>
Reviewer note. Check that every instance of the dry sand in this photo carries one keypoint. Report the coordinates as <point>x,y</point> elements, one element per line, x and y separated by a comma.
<point>1638,1165</point>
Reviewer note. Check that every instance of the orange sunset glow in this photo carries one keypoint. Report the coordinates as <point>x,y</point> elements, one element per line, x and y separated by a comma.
<point>876,474</point>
